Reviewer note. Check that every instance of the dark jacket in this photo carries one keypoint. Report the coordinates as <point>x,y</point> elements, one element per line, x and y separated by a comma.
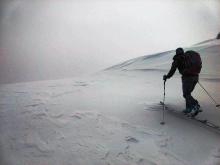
<point>178,62</point>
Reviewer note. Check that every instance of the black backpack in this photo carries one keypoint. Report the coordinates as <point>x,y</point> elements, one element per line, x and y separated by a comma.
<point>192,63</point>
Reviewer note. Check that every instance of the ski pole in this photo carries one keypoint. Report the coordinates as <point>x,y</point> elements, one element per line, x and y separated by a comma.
<point>164,94</point>
<point>217,105</point>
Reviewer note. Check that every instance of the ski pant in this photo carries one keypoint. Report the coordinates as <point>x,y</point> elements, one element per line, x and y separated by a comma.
<point>188,85</point>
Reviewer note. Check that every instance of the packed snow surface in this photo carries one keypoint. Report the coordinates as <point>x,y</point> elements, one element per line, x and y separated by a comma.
<point>111,118</point>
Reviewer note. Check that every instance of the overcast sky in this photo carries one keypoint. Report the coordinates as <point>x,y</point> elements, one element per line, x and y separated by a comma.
<point>48,39</point>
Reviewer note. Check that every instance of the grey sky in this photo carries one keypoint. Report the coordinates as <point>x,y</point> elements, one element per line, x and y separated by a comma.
<point>46,39</point>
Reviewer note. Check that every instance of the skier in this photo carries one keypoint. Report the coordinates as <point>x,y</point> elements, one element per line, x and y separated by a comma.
<point>189,65</point>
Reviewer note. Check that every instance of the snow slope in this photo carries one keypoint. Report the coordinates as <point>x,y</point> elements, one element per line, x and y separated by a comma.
<point>209,53</point>
<point>111,118</point>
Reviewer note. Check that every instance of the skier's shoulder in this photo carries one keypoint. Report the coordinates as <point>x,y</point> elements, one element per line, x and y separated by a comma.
<point>177,57</point>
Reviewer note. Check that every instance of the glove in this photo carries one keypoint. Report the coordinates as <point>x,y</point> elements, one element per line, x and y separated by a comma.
<point>164,77</point>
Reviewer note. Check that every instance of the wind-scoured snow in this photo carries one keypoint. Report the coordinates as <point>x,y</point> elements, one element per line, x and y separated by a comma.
<point>111,118</point>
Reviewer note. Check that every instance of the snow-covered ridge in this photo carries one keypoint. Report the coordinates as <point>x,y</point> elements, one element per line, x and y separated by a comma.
<point>209,51</point>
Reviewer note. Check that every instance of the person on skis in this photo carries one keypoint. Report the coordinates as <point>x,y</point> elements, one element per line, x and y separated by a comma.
<point>189,65</point>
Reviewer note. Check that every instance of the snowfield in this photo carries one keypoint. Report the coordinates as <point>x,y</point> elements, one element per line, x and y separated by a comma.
<point>112,117</point>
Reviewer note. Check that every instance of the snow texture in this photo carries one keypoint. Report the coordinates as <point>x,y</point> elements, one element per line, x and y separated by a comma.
<point>111,118</point>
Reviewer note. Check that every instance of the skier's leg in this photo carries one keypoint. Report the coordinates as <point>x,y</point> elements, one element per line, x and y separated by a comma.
<point>194,102</point>
<point>186,87</point>
<point>191,83</point>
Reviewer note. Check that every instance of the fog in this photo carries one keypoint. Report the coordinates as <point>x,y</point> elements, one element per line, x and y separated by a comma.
<point>51,39</point>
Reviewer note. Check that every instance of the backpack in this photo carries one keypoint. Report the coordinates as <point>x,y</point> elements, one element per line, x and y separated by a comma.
<point>192,63</point>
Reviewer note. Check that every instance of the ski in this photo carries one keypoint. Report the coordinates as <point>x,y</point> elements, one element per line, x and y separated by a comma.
<point>203,121</point>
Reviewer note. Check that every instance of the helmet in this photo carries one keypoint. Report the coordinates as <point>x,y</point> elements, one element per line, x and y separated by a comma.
<point>179,51</point>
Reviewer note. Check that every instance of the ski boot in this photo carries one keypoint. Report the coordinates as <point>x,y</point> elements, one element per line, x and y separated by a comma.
<point>196,110</point>
<point>187,111</point>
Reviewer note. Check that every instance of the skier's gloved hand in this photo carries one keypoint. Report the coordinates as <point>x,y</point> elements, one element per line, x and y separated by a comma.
<point>164,77</point>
